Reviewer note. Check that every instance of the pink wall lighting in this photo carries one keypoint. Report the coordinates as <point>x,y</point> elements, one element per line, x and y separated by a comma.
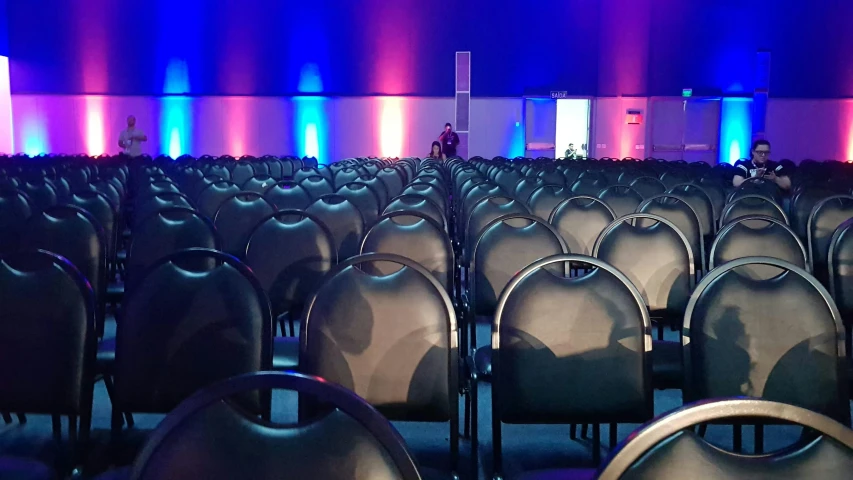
<point>7,144</point>
<point>391,126</point>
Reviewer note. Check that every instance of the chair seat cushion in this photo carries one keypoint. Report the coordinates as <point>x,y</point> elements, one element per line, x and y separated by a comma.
<point>667,365</point>
<point>285,353</point>
<point>12,468</point>
<point>559,474</point>
<point>106,355</point>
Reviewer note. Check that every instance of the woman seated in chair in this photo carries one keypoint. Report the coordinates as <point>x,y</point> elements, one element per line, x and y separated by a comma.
<point>436,152</point>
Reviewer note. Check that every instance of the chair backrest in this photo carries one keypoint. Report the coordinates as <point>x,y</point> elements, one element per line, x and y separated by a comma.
<point>345,176</point>
<point>840,269</point>
<point>621,199</point>
<point>391,339</point>
<point>207,437</point>
<point>154,187</point>
<point>343,219</point>
<point>544,199</point>
<point>213,195</point>
<point>681,214</point>
<point>364,198</point>
<point>164,233</point>
<point>521,191</point>
<point>571,349</point>
<point>504,247</point>
<point>288,195</point>
<point>15,209</point>
<point>259,184</point>
<point>668,447</point>
<point>483,212</point>
<point>802,203</point>
<point>589,185</point>
<point>159,201</point>
<point>393,179</point>
<point>103,210</point>
<point>289,252</point>
<point>474,195</point>
<point>648,186</point>
<point>48,337</point>
<point>434,192</point>
<point>241,172</point>
<point>418,204</point>
<point>183,328</point>
<point>237,216</point>
<point>580,220</point>
<point>780,339</point>
<point>698,199</point>
<point>305,172</point>
<point>824,219</point>
<point>317,186</point>
<point>663,272</point>
<point>377,185</point>
<point>414,236</point>
<point>751,204</point>
<point>41,192</point>
<point>754,236</point>
<point>552,177</point>
<point>756,186</point>
<point>76,235</point>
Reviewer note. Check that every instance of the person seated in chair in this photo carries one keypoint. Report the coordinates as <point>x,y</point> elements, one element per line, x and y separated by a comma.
<point>436,152</point>
<point>760,165</point>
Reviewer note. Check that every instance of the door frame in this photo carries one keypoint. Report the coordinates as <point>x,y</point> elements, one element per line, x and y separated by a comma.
<point>650,129</point>
<point>589,121</point>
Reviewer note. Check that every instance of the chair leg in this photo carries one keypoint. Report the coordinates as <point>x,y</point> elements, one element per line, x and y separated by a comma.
<point>57,427</point>
<point>475,432</point>
<point>573,432</point>
<point>497,448</point>
<point>614,432</point>
<point>703,429</point>
<point>737,438</point>
<point>129,419</point>
<point>467,419</point>
<point>596,444</point>
<point>584,430</point>
<point>22,419</point>
<point>660,331</point>
<point>7,417</point>
<point>72,429</point>
<point>759,439</point>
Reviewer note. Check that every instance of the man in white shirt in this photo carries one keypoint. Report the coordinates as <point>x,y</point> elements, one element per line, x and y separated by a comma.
<point>130,140</point>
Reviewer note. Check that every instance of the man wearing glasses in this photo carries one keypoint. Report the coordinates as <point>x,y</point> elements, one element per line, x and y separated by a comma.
<point>760,165</point>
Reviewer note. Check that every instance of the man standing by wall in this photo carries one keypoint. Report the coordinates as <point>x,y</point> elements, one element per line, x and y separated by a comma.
<point>449,140</point>
<point>130,140</point>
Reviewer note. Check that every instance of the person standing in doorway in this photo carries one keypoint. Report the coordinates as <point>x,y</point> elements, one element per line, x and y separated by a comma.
<point>130,140</point>
<point>449,140</point>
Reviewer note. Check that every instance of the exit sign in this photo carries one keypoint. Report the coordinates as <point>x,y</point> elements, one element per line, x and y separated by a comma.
<point>687,92</point>
<point>560,94</point>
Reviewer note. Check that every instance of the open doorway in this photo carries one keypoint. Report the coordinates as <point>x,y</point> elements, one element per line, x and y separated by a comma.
<point>550,126</point>
<point>572,127</point>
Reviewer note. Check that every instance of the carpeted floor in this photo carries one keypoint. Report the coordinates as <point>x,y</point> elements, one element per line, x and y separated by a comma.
<point>526,447</point>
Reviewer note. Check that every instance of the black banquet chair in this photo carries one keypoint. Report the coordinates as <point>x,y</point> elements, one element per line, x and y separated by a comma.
<point>237,216</point>
<point>391,339</point>
<point>48,340</point>
<point>184,327</point>
<point>570,350</point>
<point>780,339</point>
<point>290,252</point>
<point>207,437</point>
<point>758,235</point>
<point>667,448</point>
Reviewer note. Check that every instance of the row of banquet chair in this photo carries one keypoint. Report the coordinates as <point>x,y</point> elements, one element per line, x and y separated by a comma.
<point>468,237</point>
